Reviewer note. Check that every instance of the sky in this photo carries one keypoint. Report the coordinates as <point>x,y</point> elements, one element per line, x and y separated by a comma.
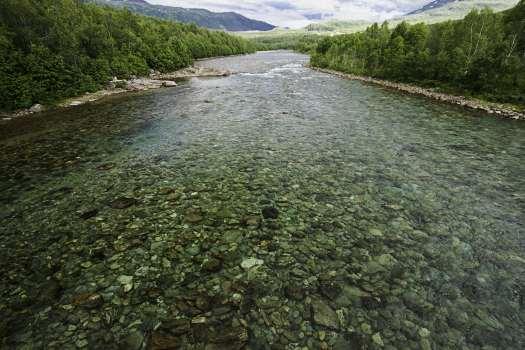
<point>298,13</point>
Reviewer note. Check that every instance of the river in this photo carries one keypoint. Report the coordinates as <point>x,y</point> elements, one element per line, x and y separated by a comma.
<point>278,208</point>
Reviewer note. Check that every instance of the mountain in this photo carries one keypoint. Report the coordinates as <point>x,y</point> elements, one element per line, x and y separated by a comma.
<point>335,26</point>
<point>442,10</point>
<point>229,21</point>
<point>430,6</point>
<point>433,12</point>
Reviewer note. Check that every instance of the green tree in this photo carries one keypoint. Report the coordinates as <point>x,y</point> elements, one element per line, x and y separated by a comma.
<point>483,54</point>
<point>51,49</point>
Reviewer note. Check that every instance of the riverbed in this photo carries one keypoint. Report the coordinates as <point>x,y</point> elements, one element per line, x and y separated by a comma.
<point>277,208</point>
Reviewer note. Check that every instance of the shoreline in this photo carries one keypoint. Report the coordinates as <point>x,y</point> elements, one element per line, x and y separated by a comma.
<point>155,80</point>
<point>491,108</point>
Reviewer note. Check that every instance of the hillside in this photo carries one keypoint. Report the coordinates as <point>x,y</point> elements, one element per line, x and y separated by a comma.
<point>335,26</point>
<point>229,21</point>
<point>434,12</point>
<point>442,10</point>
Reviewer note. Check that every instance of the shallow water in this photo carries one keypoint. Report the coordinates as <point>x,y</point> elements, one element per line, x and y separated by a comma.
<point>279,208</point>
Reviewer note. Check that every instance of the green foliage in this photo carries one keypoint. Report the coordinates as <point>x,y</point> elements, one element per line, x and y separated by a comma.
<point>515,20</point>
<point>483,54</point>
<point>299,42</point>
<point>52,49</point>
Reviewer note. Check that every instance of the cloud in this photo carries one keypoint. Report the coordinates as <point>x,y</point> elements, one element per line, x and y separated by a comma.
<point>316,16</point>
<point>298,13</point>
<point>281,5</point>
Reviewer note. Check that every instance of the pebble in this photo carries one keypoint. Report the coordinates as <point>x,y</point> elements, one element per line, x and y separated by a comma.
<point>133,341</point>
<point>250,263</point>
<point>89,214</point>
<point>375,232</point>
<point>376,338</point>
<point>212,265</point>
<point>193,215</point>
<point>126,282</point>
<point>88,300</point>
<point>425,344</point>
<point>424,333</point>
<point>123,203</point>
<point>82,343</point>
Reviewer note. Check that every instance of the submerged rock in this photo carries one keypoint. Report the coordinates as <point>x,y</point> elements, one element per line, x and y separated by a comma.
<point>193,215</point>
<point>324,315</point>
<point>376,338</point>
<point>133,341</point>
<point>330,288</point>
<point>253,221</point>
<point>126,282</point>
<point>424,333</point>
<point>425,344</point>
<point>231,338</point>
<point>164,341</point>
<point>212,265</point>
<point>386,260</point>
<point>193,250</point>
<point>88,300</point>
<point>123,203</point>
<point>50,291</point>
<point>294,291</point>
<point>89,214</point>
<point>270,213</point>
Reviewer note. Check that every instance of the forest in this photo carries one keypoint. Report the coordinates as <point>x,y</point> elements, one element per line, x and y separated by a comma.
<point>52,49</point>
<point>304,43</point>
<point>482,55</point>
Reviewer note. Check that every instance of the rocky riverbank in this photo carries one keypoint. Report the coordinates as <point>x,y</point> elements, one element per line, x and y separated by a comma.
<point>155,80</point>
<point>474,104</point>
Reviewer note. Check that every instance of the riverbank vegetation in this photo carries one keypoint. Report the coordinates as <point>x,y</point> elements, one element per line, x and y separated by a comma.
<point>53,49</point>
<point>482,55</point>
<point>304,43</point>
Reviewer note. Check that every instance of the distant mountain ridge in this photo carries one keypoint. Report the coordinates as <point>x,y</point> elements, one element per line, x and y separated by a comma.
<point>442,10</point>
<point>229,21</point>
<point>433,12</point>
<point>430,6</point>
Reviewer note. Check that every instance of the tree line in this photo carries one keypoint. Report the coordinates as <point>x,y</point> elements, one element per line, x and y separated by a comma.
<point>52,49</point>
<point>304,43</point>
<point>482,55</point>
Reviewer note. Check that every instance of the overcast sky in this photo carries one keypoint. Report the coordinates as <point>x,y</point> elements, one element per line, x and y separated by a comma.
<point>298,13</point>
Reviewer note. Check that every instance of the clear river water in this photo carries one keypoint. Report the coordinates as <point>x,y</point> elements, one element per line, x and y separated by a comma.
<point>278,208</point>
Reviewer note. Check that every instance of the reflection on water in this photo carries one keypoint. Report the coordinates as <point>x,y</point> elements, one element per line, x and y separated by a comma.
<point>278,208</point>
